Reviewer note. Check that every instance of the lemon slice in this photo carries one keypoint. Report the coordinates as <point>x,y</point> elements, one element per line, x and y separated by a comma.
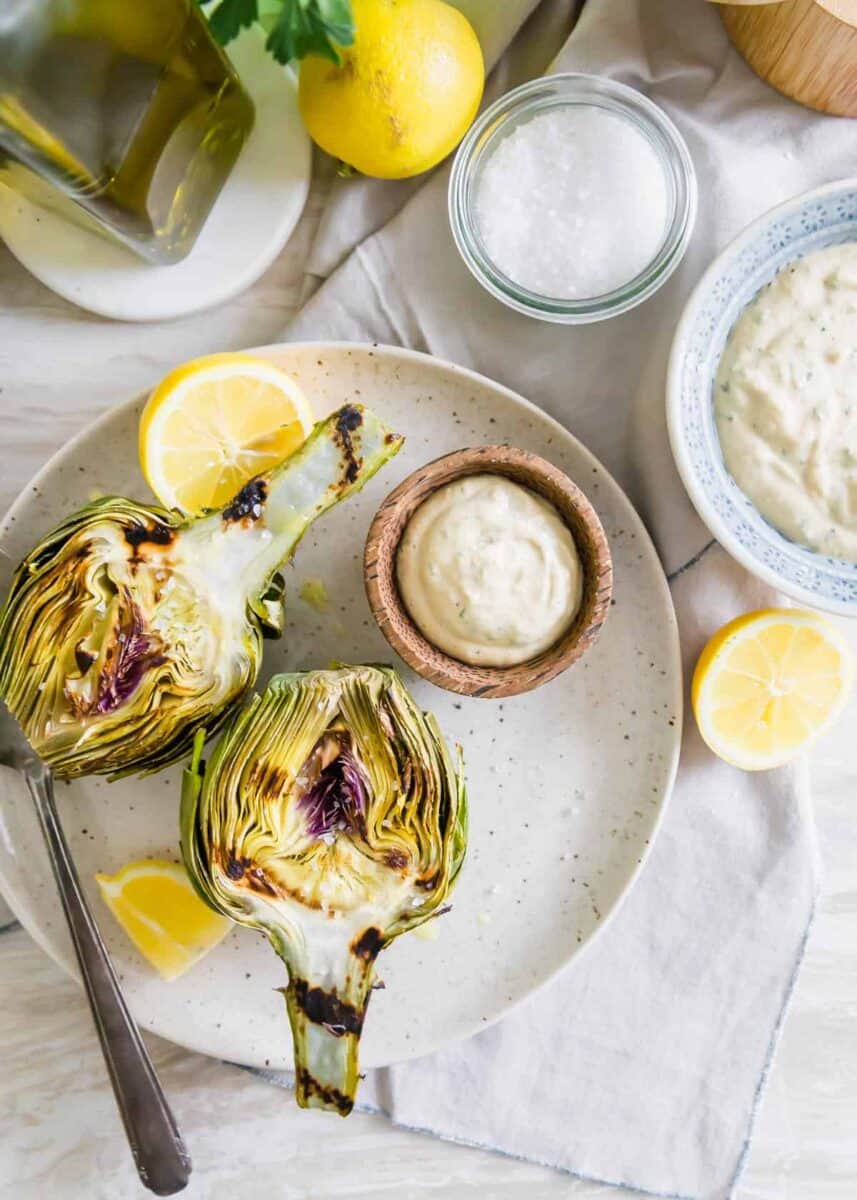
<point>214,423</point>
<point>768,683</point>
<point>154,902</point>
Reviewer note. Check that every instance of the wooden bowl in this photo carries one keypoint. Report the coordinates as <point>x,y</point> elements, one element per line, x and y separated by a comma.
<point>379,571</point>
<point>806,49</point>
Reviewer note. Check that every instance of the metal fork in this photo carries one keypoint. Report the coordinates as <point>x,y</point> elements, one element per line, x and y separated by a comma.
<point>160,1156</point>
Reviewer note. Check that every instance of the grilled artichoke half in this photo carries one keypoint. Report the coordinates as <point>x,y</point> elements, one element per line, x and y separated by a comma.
<point>127,629</point>
<point>332,817</point>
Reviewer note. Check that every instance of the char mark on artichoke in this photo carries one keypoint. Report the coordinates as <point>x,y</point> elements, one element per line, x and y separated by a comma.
<point>156,533</point>
<point>349,419</point>
<point>319,1096</point>
<point>249,503</point>
<point>343,796</point>
<point>127,629</point>
<point>369,945</point>
<point>325,1008</point>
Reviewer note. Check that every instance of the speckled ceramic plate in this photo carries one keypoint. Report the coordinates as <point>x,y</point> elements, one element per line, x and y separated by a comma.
<point>567,783</point>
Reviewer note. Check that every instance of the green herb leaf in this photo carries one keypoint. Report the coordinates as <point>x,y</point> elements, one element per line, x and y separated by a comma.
<point>295,28</point>
<point>269,11</point>
<point>336,15</point>
<point>230,17</point>
<point>289,33</point>
<point>311,27</point>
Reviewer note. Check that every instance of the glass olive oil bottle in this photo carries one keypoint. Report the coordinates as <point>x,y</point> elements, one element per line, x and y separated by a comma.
<point>123,114</point>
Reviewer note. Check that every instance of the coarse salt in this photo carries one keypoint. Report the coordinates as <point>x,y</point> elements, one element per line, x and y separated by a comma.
<point>572,203</point>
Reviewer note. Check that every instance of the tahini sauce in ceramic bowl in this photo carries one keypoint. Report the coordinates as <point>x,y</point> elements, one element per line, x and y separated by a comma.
<point>489,571</point>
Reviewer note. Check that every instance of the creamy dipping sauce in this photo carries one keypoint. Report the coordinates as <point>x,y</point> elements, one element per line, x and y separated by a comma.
<point>786,401</point>
<point>489,571</point>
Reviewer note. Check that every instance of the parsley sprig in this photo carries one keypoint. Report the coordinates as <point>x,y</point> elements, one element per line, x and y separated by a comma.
<point>295,28</point>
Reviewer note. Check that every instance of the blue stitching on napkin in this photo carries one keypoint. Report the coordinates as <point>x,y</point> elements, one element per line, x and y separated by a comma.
<point>375,1110</point>
<point>772,1048</point>
<point>691,562</point>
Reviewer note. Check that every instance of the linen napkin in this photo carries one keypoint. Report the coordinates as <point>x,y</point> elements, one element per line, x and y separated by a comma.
<point>641,1065</point>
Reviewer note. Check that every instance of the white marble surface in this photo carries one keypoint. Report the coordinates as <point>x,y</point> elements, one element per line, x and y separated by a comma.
<point>60,1135</point>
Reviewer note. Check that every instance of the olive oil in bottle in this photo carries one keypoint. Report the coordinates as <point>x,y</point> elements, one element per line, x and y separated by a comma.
<point>123,114</point>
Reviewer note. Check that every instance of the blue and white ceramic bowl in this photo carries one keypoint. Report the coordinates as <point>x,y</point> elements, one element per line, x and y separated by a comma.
<point>820,218</point>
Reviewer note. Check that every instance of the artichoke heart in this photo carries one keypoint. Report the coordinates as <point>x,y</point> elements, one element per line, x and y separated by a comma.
<point>332,817</point>
<point>127,629</point>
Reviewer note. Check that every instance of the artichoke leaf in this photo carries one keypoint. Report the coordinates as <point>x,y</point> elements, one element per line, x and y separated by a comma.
<point>270,607</point>
<point>126,629</point>
<point>332,817</point>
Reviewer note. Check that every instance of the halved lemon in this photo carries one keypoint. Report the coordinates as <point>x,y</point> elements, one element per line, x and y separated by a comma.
<point>154,902</point>
<point>768,683</point>
<point>214,423</point>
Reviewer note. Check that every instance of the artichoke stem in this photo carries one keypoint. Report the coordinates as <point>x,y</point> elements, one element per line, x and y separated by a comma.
<point>326,1019</point>
<point>337,459</point>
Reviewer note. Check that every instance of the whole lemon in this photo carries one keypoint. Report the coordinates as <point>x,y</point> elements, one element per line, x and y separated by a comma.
<point>403,94</point>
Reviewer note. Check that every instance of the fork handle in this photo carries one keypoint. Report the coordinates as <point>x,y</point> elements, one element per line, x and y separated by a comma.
<point>159,1153</point>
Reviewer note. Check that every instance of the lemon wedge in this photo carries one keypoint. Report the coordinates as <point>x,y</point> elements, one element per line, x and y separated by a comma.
<point>768,683</point>
<point>214,423</point>
<point>154,902</point>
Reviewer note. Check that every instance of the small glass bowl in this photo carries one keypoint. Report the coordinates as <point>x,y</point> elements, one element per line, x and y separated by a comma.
<point>518,107</point>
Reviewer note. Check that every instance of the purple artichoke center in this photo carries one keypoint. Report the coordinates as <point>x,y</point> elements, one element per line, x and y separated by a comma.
<point>337,800</point>
<point>136,652</point>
